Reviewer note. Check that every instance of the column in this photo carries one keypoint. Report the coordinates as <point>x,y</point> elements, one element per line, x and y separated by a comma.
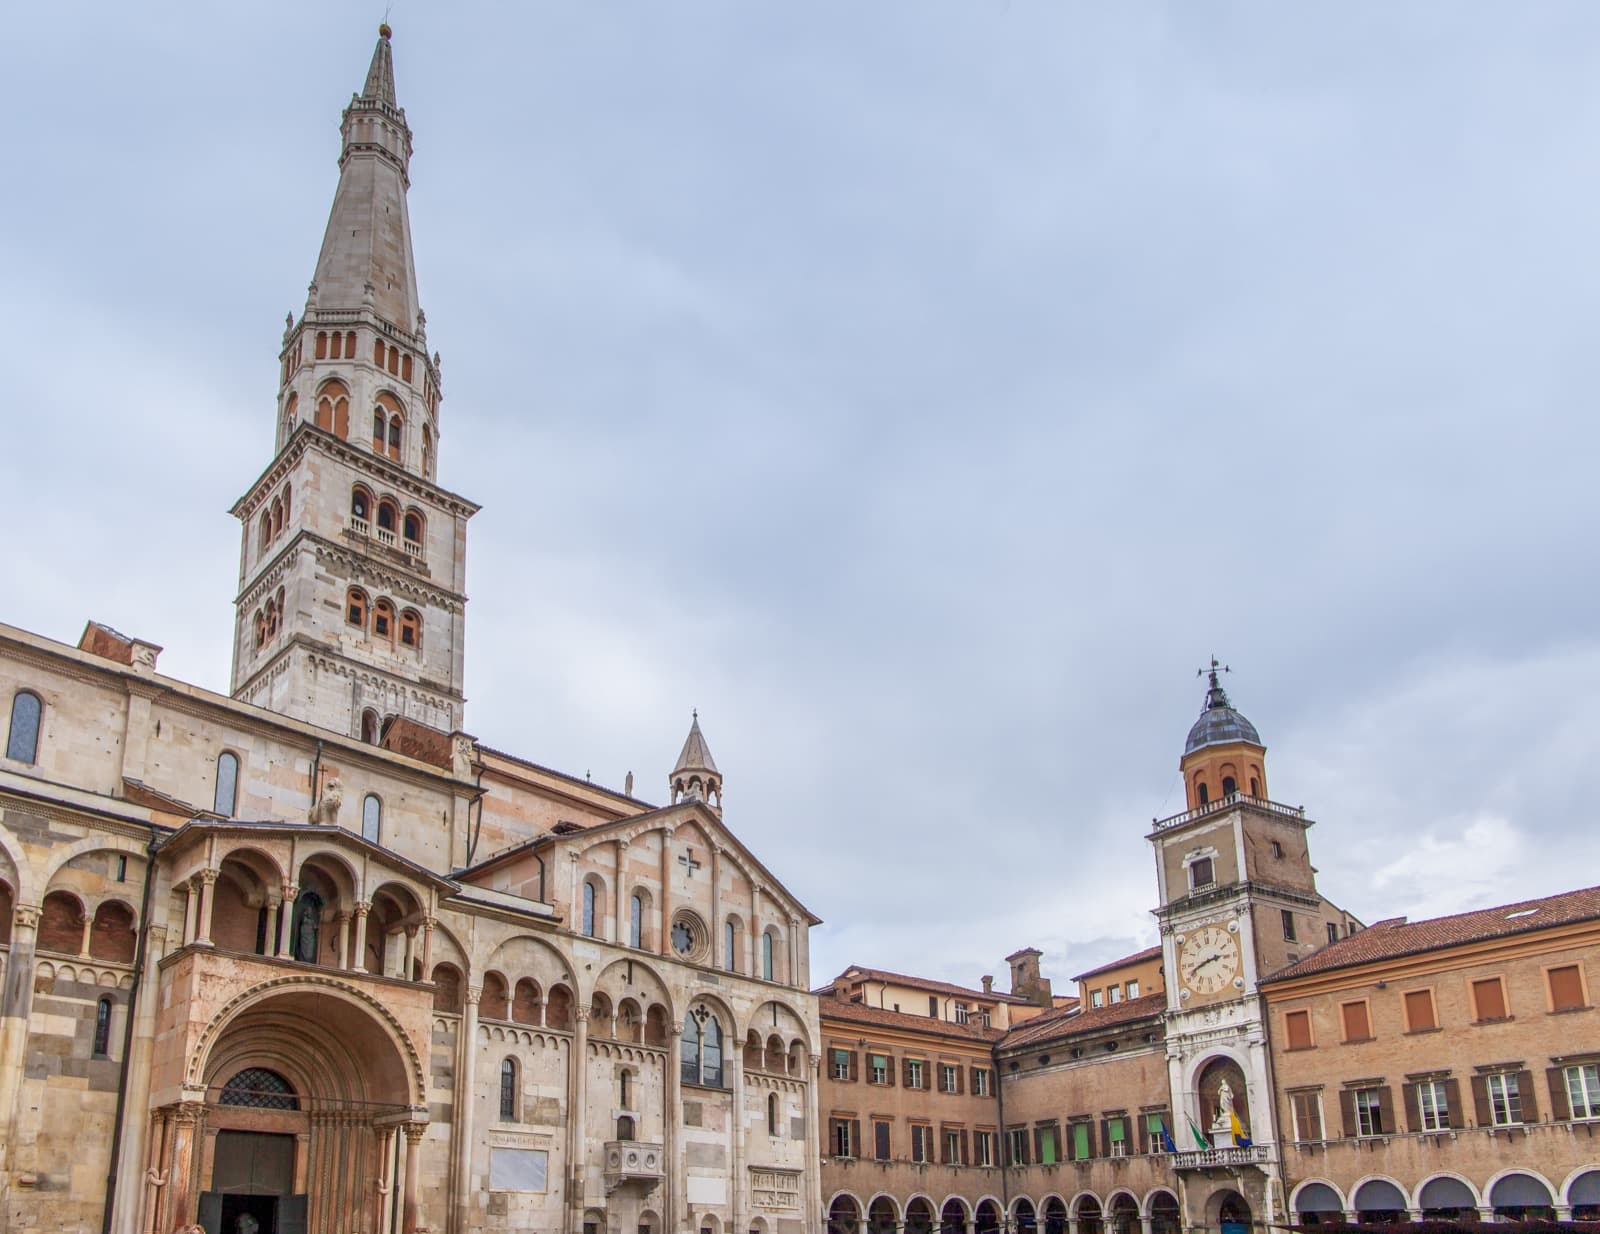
<point>466,1103</point>
<point>385,1183</point>
<point>291,893</point>
<point>16,1005</point>
<point>715,924</point>
<point>88,929</point>
<point>208,900</point>
<point>408,964</point>
<point>428,926</point>
<point>1146,1225</point>
<point>792,975</point>
<point>752,936</point>
<point>813,1179</point>
<point>358,958</point>
<point>127,1204</point>
<point>411,1205</point>
<point>577,1108</point>
<point>663,939</point>
<point>191,912</point>
<point>624,918</point>
<point>155,1178</point>
<point>739,1201</point>
<point>672,1218</point>
<point>274,916</point>
<point>344,940</point>
<point>181,1199</point>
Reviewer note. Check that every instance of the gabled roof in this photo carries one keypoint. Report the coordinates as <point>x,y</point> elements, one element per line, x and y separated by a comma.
<point>1069,1022</point>
<point>861,973</point>
<point>1127,961</point>
<point>859,1013</point>
<point>1397,937</point>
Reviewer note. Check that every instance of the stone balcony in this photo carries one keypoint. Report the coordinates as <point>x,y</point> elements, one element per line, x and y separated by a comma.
<point>633,1161</point>
<point>1222,1158</point>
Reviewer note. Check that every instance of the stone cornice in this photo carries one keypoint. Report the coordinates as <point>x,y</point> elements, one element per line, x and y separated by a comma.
<point>378,572</point>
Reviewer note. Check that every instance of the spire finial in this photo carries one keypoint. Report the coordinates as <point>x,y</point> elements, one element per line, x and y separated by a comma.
<point>1216,696</point>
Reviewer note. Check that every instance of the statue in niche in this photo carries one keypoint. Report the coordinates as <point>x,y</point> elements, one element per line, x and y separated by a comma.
<point>307,927</point>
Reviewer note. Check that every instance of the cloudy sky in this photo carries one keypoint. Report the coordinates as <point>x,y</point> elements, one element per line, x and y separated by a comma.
<point>920,389</point>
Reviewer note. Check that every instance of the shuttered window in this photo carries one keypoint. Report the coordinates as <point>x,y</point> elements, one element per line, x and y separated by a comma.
<point>1419,1011</point>
<point>1297,1027</point>
<point>1357,1024</point>
<point>1566,988</point>
<point>1307,1108</point>
<point>1489,999</point>
<point>1080,1141</point>
<point>880,1141</point>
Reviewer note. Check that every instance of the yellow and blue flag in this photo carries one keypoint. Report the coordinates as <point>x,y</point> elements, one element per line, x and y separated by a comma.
<point>1239,1137</point>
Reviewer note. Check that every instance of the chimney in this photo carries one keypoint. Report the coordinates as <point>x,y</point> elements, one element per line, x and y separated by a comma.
<point>1025,979</point>
<point>988,984</point>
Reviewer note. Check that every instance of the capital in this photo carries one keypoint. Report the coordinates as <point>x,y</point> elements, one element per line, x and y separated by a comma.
<point>414,1132</point>
<point>25,917</point>
<point>583,1014</point>
<point>472,994</point>
<point>208,875</point>
<point>363,907</point>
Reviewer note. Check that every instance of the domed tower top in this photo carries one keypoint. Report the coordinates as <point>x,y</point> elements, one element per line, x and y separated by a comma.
<point>1223,754</point>
<point>695,777</point>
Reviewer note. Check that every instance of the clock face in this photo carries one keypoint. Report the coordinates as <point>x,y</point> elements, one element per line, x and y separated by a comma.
<point>1208,959</point>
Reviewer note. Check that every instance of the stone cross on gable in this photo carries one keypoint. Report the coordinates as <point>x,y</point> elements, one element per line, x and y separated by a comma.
<point>688,862</point>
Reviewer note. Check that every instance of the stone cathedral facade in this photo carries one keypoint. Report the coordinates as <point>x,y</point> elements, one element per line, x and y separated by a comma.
<point>309,957</point>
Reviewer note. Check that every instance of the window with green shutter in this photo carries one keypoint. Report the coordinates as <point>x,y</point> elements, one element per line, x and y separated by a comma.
<point>1047,1145</point>
<point>1080,1141</point>
<point>1117,1137</point>
<point>880,1068</point>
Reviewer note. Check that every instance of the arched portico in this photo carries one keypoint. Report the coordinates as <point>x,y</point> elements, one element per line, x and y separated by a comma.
<point>301,1108</point>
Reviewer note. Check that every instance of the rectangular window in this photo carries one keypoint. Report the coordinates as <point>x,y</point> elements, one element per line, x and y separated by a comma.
<point>879,1070</point>
<point>1333,931</point>
<point>947,1077</point>
<point>1155,1131</point>
<point>1489,999</point>
<point>1357,1024</point>
<point>880,1140</point>
<point>1307,1109</point>
<point>839,1064</point>
<point>1583,1090</point>
<point>1277,851</point>
<point>915,1068</point>
<point>1097,998</point>
<point>933,1006</point>
<point>1045,1137</point>
<point>1115,992</point>
<point>1369,1112</point>
<point>1420,1015</point>
<point>952,1147</point>
<point>1433,1106</point>
<point>983,1147</point>
<point>1297,1028</point>
<point>1017,1146</point>
<point>980,1081</point>
<point>1080,1141</point>
<point>1505,1099</point>
<point>921,1142</point>
<point>840,1137</point>
<point>1201,874</point>
<point>1133,989</point>
<point>1117,1136</point>
<point>1566,988</point>
<point>986,1023</point>
<point>961,1013</point>
<point>1288,924</point>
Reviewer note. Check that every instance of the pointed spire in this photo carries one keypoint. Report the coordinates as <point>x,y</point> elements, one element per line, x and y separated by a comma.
<point>695,777</point>
<point>380,76</point>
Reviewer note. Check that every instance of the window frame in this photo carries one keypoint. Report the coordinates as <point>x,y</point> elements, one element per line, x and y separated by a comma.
<point>1505,1001</point>
<point>1433,1105</point>
<point>921,1143</point>
<point>636,921</point>
<point>589,910</point>
<point>1433,1010</point>
<point>1368,1106</point>
<point>983,1148</point>
<point>1209,862</point>
<point>1286,917</point>
<point>980,1081</point>
<point>1344,1023</point>
<point>1586,1095</point>
<point>105,1007</point>
<point>1307,1102</point>
<point>509,1086</point>
<point>1289,1033</point>
<point>23,693</point>
<point>1576,966</point>
<point>232,760</point>
<point>1510,1094</point>
<point>372,818</point>
<point>876,1074</point>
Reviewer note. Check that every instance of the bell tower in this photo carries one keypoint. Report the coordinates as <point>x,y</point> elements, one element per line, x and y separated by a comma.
<point>352,571</point>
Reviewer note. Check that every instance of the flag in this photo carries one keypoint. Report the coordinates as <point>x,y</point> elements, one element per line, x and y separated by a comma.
<point>1167,1146</point>
<point>1199,1136</point>
<point>1239,1137</point>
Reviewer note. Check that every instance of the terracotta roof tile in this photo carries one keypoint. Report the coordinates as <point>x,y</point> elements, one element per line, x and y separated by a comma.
<point>859,1013</point>
<point>1138,957</point>
<point>861,972</point>
<point>1069,1023</point>
<point>1396,937</point>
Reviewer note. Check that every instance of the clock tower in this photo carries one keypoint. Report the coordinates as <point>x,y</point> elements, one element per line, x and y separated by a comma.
<point>1238,901</point>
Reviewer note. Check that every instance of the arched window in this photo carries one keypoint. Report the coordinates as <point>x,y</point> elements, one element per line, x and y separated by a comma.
<point>261,629</point>
<point>766,956</point>
<point>22,741</point>
<point>689,1050</point>
<point>383,619</point>
<point>1255,787</point>
<point>338,346</point>
<point>413,527</point>
<point>394,360</point>
<point>588,910</point>
<point>1229,786</point>
<point>322,344</point>
<point>355,607</point>
<point>411,628</point>
<point>259,1088</point>
<point>729,938</point>
<point>700,1055</point>
<point>624,1127</point>
<point>387,514</point>
<point>102,1028</point>
<point>623,1086</point>
<point>264,537</point>
<point>371,818</point>
<point>379,423</point>
<point>287,493</point>
<point>772,1114</point>
<point>277,515</point>
<point>394,437</point>
<point>427,451</point>
<point>635,920</point>
<point>508,1090</point>
<point>369,727</point>
<point>227,794</point>
<point>360,503</point>
<point>1205,793</point>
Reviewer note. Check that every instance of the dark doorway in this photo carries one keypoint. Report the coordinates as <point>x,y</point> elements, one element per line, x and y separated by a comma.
<point>252,1178</point>
<point>238,1211</point>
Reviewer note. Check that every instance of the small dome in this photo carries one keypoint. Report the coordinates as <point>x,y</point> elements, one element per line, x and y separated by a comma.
<point>1219,724</point>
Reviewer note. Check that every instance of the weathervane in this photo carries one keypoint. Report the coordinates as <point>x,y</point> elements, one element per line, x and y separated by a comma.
<point>1216,667</point>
